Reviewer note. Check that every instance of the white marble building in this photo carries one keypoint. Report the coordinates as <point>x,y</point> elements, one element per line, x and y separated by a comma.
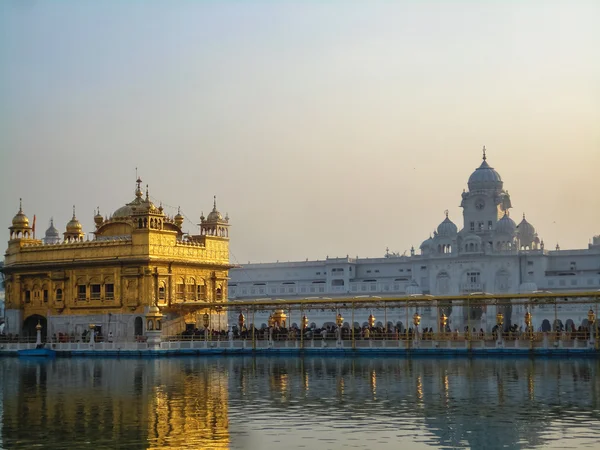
<point>490,253</point>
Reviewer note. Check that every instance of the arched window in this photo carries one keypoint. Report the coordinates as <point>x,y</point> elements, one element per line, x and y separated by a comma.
<point>201,290</point>
<point>191,289</point>
<point>219,293</point>
<point>162,291</point>
<point>59,295</point>
<point>180,289</point>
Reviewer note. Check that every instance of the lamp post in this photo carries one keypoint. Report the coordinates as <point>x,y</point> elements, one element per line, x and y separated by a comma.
<point>528,323</point>
<point>499,323</point>
<point>38,334</point>
<point>205,322</point>
<point>339,320</point>
<point>371,320</point>
<point>92,332</point>
<point>271,323</point>
<point>591,322</point>
<point>443,323</point>
<point>241,322</point>
<point>416,322</point>
<point>303,325</point>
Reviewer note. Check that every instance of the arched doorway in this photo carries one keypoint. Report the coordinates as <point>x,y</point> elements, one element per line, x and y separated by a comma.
<point>29,325</point>
<point>138,326</point>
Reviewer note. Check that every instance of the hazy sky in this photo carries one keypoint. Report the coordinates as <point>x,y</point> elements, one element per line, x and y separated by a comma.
<point>324,128</point>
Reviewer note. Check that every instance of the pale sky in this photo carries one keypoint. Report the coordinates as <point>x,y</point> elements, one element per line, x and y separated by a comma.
<point>324,128</point>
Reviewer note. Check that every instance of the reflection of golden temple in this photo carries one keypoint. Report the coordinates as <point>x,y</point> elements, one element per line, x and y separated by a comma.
<point>419,388</point>
<point>340,387</point>
<point>193,409</point>
<point>530,385</point>
<point>373,383</point>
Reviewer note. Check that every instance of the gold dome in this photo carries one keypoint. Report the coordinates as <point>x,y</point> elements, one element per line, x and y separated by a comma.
<point>98,219</point>
<point>214,215</point>
<point>178,218</point>
<point>20,220</point>
<point>74,226</point>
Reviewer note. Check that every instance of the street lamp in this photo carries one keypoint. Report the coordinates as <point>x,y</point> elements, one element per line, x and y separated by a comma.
<point>416,322</point>
<point>499,322</point>
<point>339,320</point>
<point>591,317</point>
<point>241,321</point>
<point>591,322</point>
<point>443,323</point>
<point>371,320</point>
<point>205,322</point>
<point>304,322</point>
<point>528,326</point>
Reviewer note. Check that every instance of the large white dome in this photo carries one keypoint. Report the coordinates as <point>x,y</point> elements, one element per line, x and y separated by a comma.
<point>485,178</point>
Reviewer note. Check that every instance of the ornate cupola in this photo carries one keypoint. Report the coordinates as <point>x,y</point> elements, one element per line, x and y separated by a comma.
<point>145,214</point>
<point>528,238</point>
<point>52,235</point>
<point>178,219</point>
<point>20,228</point>
<point>98,219</point>
<point>215,224</point>
<point>74,231</point>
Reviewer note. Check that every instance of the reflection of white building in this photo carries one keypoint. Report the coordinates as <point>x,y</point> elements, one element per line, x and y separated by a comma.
<point>490,253</point>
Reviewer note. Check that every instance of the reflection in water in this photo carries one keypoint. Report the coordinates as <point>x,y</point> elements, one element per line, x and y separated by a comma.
<point>244,402</point>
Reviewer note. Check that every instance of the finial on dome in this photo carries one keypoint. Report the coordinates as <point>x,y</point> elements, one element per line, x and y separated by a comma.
<point>179,210</point>
<point>138,189</point>
<point>73,211</point>
<point>215,203</point>
<point>20,205</point>
<point>484,157</point>
<point>446,212</point>
<point>146,192</point>
<point>523,216</point>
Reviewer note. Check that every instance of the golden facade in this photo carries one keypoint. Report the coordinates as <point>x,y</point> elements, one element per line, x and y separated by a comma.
<point>139,257</point>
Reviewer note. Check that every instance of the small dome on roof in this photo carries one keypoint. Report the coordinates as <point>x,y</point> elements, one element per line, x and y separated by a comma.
<point>525,228</point>
<point>98,219</point>
<point>485,177</point>
<point>20,220</point>
<point>52,232</point>
<point>178,218</point>
<point>447,228</point>
<point>74,226</point>
<point>214,215</point>
<point>506,225</point>
<point>426,243</point>
<point>128,209</point>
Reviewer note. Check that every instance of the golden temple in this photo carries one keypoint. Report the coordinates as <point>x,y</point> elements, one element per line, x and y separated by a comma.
<point>139,258</point>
